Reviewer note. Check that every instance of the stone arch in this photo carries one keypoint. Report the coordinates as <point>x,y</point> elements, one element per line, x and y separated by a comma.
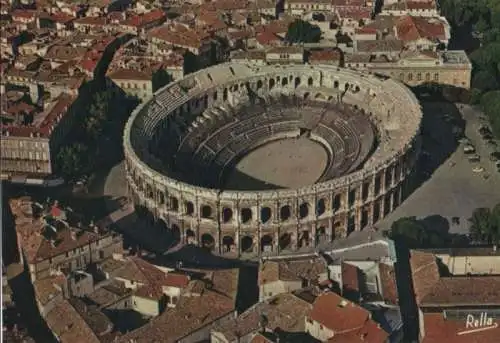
<point>304,239</point>
<point>285,213</point>
<point>303,210</point>
<point>259,84</point>
<point>225,94</point>
<point>190,236</point>
<point>285,241</point>
<point>189,207</point>
<point>266,243</point>
<point>174,204</point>
<point>215,96</point>
<point>310,81</point>
<point>321,234</point>
<point>235,87</point>
<point>206,212</point>
<point>207,241</point>
<point>227,243</point>
<point>176,233</point>
<point>297,82</point>
<point>357,89</point>
<point>336,84</point>
<point>306,95</point>
<point>337,202</point>
<point>284,82</point>
<point>320,207</point>
<point>265,214</point>
<point>161,198</point>
<point>227,214</point>
<point>271,83</point>
<point>246,243</point>
<point>246,215</point>
<point>149,191</point>
<point>319,96</point>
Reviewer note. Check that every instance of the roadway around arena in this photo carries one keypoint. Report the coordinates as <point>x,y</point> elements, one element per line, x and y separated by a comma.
<point>453,190</point>
<point>287,163</point>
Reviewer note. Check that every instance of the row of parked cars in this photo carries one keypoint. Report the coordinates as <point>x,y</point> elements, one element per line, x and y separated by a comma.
<point>474,157</point>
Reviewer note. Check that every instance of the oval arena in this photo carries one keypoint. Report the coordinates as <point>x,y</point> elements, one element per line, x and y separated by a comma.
<point>246,159</point>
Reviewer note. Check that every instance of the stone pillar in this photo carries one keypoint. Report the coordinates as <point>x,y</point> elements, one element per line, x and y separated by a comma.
<point>276,242</point>
<point>359,216</point>
<point>329,230</point>
<point>371,212</point>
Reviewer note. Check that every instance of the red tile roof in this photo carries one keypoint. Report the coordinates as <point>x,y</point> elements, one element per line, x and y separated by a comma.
<point>267,38</point>
<point>440,330</point>
<point>350,277</point>
<point>338,314</point>
<point>411,28</point>
<point>388,281</point>
<point>52,117</point>
<point>369,333</point>
<point>139,21</point>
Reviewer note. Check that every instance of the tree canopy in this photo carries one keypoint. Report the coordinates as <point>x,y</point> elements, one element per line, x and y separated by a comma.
<point>301,31</point>
<point>430,232</point>
<point>482,18</point>
<point>485,225</point>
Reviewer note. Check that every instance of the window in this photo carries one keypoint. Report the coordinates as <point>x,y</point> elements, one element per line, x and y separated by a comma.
<point>427,76</point>
<point>436,76</point>
<point>419,77</point>
<point>410,76</point>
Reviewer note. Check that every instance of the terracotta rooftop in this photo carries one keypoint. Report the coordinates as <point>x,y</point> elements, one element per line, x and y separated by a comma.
<point>433,289</point>
<point>191,313</point>
<point>47,119</point>
<point>291,270</point>
<point>141,20</point>
<point>439,329</point>
<point>338,314</point>
<point>369,333</point>
<point>350,277</point>
<point>411,28</point>
<point>388,281</point>
<point>151,279</point>
<point>68,325</point>
<point>285,311</point>
<point>48,288</point>
<point>31,230</point>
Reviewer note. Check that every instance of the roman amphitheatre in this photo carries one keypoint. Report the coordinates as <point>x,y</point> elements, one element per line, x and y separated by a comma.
<point>268,159</point>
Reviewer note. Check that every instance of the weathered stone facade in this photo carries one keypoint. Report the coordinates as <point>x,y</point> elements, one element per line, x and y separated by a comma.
<point>254,222</point>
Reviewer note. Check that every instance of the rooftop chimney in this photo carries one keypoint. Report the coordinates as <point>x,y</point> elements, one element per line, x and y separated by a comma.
<point>73,235</point>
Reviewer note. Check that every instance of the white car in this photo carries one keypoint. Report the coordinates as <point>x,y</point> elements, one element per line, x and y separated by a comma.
<point>478,169</point>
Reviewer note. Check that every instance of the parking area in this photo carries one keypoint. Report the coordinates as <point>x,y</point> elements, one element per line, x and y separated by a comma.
<point>457,186</point>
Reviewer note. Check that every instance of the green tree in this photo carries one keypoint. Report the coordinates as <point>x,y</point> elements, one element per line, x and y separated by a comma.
<point>301,31</point>
<point>409,231</point>
<point>481,225</point>
<point>72,160</point>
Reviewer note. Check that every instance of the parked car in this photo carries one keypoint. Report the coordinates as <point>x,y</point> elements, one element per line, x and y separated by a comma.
<point>474,158</point>
<point>469,149</point>
<point>478,169</point>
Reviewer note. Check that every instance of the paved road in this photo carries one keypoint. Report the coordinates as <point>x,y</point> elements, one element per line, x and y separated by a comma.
<point>453,189</point>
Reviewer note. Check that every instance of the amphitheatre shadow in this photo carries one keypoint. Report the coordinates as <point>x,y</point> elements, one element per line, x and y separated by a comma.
<point>442,127</point>
<point>238,180</point>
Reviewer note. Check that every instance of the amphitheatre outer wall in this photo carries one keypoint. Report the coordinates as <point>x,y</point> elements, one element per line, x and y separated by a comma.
<point>282,220</point>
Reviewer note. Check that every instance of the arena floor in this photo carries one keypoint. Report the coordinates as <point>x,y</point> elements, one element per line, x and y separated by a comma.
<point>287,163</point>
